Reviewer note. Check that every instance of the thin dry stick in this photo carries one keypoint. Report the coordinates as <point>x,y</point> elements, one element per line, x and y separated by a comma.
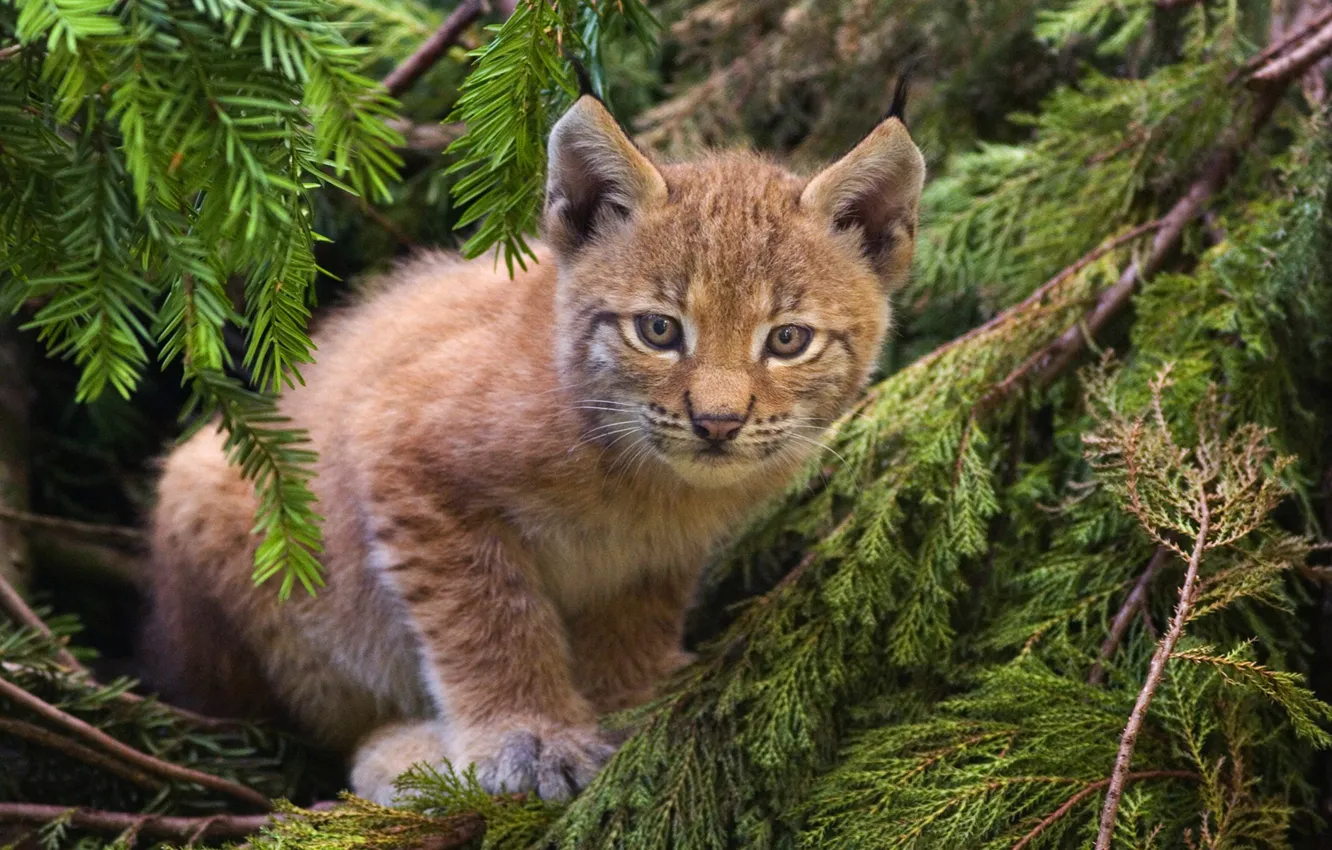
<point>401,78</point>
<point>10,51</point>
<point>1289,40</point>
<point>15,607</point>
<point>187,829</point>
<point>1119,777</point>
<point>73,749</point>
<point>129,538</point>
<point>1302,57</point>
<point>1090,789</point>
<point>1132,603</point>
<point>93,735</point>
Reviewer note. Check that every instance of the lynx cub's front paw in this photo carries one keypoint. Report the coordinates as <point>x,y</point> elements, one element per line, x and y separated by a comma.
<point>389,751</point>
<point>557,763</point>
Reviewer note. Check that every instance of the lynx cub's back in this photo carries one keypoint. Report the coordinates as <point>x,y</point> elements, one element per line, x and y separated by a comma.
<point>522,479</point>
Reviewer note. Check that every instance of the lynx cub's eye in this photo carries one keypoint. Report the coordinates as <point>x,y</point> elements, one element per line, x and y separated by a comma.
<point>788,341</point>
<point>658,331</point>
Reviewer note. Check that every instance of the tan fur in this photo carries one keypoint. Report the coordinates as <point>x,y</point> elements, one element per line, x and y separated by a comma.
<point>516,504</point>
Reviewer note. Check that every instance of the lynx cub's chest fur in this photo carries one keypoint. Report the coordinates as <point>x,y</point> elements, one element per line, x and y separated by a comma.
<point>521,479</point>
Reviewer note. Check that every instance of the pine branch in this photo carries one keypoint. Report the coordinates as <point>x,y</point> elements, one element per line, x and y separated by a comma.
<point>1129,740</point>
<point>413,67</point>
<point>190,830</point>
<point>1092,788</point>
<point>1132,604</point>
<point>1055,358</point>
<point>93,735</point>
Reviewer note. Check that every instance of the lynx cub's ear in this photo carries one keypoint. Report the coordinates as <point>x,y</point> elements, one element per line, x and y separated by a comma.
<point>874,190</point>
<point>597,177</point>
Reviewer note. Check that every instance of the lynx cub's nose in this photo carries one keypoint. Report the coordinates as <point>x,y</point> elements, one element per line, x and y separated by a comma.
<point>716,429</point>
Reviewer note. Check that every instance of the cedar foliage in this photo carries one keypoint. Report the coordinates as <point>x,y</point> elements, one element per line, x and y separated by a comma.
<point>929,641</point>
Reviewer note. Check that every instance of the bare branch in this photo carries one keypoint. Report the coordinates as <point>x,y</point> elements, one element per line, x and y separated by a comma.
<point>1290,40</point>
<point>132,539</point>
<point>1299,60</point>
<point>413,67</point>
<point>1132,604</point>
<point>1087,790</point>
<point>93,735</point>
<point>1127,742</point>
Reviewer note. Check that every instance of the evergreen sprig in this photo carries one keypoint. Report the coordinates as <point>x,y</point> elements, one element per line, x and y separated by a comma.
<point>152,152</point>
<point>521,78</point>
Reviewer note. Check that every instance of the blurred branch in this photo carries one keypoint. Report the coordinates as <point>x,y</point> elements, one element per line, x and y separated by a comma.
<point>130,539</point>
<point>464,14</point>
<point>68,554</point>
<point>1313,47</point>
<point>426,138</point>
<point>1275,61</point>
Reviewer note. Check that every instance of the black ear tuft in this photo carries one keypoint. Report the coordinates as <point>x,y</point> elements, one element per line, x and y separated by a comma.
<point>585,86</point>
<point>898,108</point>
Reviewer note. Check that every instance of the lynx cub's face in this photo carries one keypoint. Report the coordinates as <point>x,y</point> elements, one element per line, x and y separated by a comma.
<point>716,317</point>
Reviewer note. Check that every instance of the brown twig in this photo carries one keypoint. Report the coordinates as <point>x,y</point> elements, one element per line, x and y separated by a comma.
<point>129,538</point>
<point>1288,41</point>
<point>1300,59</point>
<point>10,51</point>
<point>464,14</point>
<point>1127,742</point>
<point>73,749</point>
<point>155,766</point>
<point>1090,789</point>
<point>1132,603</point>
<point>15,607</point>
<point>187,829</point>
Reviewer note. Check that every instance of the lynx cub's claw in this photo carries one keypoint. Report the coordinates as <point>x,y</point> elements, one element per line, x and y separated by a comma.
<point>556,765</point>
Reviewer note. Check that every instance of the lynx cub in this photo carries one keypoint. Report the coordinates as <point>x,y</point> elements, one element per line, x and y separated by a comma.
<point>522,479</point>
